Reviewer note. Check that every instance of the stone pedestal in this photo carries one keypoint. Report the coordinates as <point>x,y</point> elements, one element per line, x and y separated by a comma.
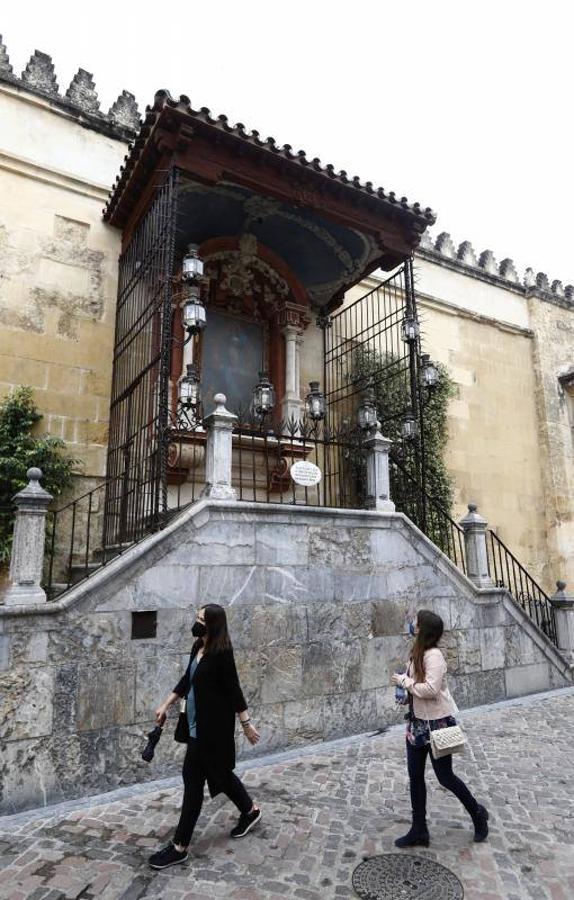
<point>218,454</point>
<point>27,558</point>
<point>563,606</point>
<point>378,488</point>
<point>474,527</point>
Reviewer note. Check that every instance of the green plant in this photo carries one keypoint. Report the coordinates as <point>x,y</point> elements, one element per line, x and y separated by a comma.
<point>20,449</point>
<point>389,376</point>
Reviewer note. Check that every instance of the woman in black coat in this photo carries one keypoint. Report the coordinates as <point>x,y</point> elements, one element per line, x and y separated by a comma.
<point>214,697</point>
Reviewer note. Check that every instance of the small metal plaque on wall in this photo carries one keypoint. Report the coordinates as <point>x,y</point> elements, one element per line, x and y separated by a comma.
<point>305,473</point>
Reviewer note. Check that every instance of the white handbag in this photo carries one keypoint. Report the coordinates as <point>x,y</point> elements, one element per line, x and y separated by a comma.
<point>444,741</point>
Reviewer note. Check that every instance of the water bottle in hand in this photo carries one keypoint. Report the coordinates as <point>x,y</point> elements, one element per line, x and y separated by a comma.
<point>401,694</point>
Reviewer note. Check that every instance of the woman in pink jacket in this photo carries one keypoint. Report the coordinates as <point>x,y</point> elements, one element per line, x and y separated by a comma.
<point>430,707</point>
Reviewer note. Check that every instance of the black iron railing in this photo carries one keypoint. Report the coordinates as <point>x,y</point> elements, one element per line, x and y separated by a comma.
<point>507,572</point>
<point>82,538</point>
<point>263,456</point>
<point>139,411</point>
<point>427,513</point>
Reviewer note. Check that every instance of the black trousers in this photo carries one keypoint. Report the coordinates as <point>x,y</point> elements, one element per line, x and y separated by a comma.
<point>194,778</point>
<point>416,760</point>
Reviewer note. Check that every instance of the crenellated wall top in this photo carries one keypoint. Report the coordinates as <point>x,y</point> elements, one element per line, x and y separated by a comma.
<point>443,250</point>
<point>122,121</point>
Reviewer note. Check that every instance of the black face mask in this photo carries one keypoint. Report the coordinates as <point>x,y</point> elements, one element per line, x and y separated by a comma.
<point>199,630</point>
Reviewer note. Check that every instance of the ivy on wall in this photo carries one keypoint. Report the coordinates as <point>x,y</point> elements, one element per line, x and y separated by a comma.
<point>20,449</point>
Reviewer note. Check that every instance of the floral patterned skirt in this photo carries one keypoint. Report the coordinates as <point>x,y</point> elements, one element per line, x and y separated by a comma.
<point>418,729</point>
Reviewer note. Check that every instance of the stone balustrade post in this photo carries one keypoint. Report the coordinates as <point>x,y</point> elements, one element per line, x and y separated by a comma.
<point>563,606</point>
<point>474,527</point>
<point>218,454</point>
<point>27,556</point>
<point>378,485</point>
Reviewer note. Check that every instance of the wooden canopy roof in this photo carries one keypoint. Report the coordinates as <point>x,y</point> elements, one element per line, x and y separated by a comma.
<point>214,153</point>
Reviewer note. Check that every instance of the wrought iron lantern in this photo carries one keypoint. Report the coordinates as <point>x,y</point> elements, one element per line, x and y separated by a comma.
<point>410,328</point>
<point>315,406</point>
<point>263,396</point>
<point>367,411</point>
<point>192,265</point>
<point>429,373</point>
<point>190,388</point>
<point>194,314</point>
<point>409,428</point>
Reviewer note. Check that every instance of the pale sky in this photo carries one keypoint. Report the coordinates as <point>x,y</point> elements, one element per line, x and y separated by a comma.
<point>465,107</point>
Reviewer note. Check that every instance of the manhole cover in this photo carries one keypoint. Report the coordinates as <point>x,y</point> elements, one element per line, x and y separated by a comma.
<point>397,876</point>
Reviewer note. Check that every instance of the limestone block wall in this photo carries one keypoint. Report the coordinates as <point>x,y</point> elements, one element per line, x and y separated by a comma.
<point>318,602</point>
<point>553,326</point>
<point>59,267</point>
<point>494,452</point>
<point>506,340</point>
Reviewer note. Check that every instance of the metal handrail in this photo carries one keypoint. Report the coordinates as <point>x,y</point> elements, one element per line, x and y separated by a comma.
<point>86,533</point>
<point>511,574</point>
<point>433,519</point>
<point>503,567</point>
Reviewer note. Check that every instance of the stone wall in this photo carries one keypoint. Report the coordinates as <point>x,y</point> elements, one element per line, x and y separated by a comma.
<point>318,602</point>
<point>494,452</point>
<point>57,257</point>
<point>553,327</point>
<point>506,341</point>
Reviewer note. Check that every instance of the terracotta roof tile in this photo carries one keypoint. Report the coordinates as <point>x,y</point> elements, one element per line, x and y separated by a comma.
<point>163,100</point>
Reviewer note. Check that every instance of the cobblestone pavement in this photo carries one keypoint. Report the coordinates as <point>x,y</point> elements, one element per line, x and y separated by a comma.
<point>324,809</point>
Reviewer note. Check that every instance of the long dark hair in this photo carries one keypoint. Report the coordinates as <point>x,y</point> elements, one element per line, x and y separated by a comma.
<point>217,638</point>
<point>430,629</point>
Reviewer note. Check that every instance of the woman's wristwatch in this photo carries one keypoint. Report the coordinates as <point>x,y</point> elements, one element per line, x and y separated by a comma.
<point>245,722</point>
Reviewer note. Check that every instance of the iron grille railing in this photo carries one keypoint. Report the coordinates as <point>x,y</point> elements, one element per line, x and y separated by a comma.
<point>81,537</point>
<point>140,388</point>
<point>507,572</point>
<point>364,346</point>
<point>427,513</point>
<point>263,456</point>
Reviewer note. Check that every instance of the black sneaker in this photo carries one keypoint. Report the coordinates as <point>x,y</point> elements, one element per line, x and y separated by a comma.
<point>169,856</point>
<point>246,823</point>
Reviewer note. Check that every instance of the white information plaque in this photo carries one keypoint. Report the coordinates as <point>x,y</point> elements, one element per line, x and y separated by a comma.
<point>305,473</point>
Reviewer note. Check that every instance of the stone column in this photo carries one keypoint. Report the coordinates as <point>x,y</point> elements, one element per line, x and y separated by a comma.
<point>563,606</point>
<point>291,406</point>
<point>27,558</point>
<point>378,490</point>
<point>218,453</point>
<point>474,527</point>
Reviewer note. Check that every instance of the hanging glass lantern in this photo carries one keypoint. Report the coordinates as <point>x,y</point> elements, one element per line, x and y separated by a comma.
<point>428,372</point>
<point>263,395</point>
<point>410,329</point>
<point>190,388</point>
<point>315,402</point>
<point>409,428</point>
<point>194,315</point>
<point>192,264</point>
<point>367,411</point>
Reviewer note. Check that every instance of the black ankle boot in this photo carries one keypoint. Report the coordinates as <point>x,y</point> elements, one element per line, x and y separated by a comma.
<point>418,836</point>
<point>480,822</point>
